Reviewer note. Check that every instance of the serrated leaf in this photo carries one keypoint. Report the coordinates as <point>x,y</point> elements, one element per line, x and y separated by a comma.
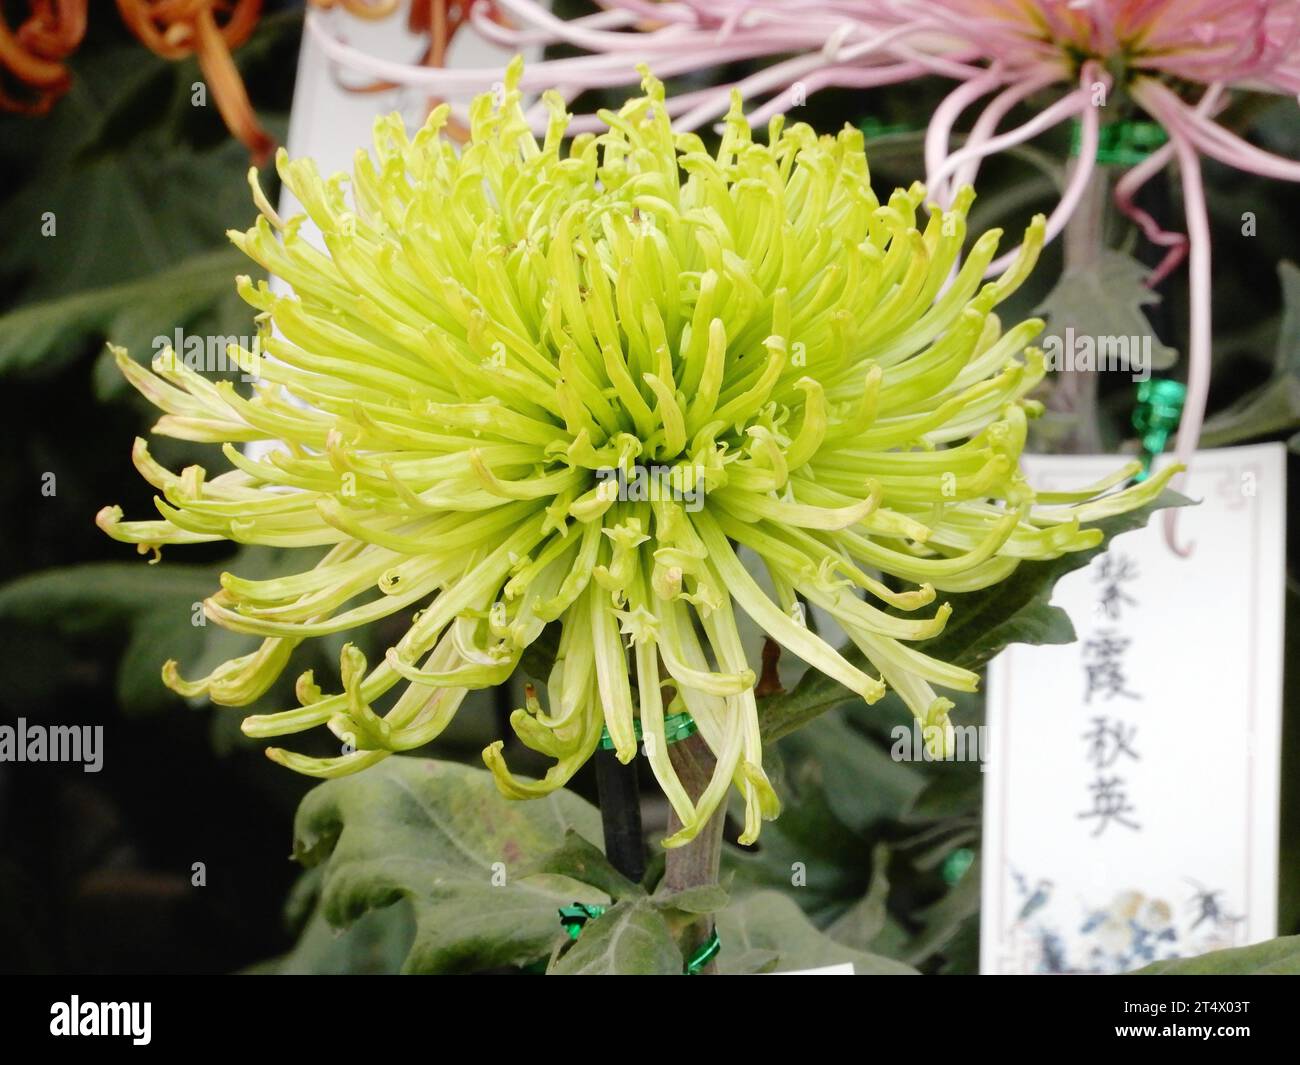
<point>1105,299</point>
<point>1016,610</point>
<point>441,836</point>
<point>1276,957</point>
<point>630,939</point>
<point>768,922</point>
<point>136,177</point>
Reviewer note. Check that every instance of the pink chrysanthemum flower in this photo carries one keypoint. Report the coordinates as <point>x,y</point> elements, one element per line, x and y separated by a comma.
<point>1197,40</point>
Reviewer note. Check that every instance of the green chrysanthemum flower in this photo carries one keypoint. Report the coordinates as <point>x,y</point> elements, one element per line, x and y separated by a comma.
<point>498,346</point>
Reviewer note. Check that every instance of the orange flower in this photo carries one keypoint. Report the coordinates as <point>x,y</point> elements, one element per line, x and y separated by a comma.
<point>33,56</point>
<point>33,75</point>
<point>176,29</point>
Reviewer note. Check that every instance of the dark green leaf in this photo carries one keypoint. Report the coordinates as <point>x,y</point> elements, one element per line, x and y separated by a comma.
<point>1274,408</point>
<point>840,790</point>
<point>155,605</point>
<point>42,336</point>
<point>374,944</point>
<point>441,836</point>
<point>952,793</point>
<point>862,922</point>
<point>630,939</point>
<point>579,860</point>
<point>770,923</point>
<point>943,921</point>
<point>86,598</point>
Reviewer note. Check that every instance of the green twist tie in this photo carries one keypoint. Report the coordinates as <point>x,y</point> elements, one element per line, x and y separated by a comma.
<point>872,127</point>
<point>575,917</point>
<point>956,864</point>
<point>676,727</point>
<point>1124,143</point>
<point>703,954</point>
<point>1159,409</point>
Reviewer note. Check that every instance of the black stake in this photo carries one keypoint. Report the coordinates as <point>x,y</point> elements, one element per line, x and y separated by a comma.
<point>620,812</point>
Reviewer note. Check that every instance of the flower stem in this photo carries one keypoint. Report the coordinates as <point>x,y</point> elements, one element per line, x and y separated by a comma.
<point>620,814</point>
<point>1075,394</point>
<point>697,863</point>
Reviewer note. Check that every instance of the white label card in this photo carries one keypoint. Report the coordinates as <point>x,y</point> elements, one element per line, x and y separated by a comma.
<point>1132,785</point>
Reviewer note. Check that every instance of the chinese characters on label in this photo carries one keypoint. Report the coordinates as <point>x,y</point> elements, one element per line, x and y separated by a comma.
<point>1109,741</point>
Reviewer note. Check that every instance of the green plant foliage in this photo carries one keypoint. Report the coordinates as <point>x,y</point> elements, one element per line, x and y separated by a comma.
<point>156,608</point>
<point>196,294</point>
<point>423,866</point>
<point>632,939</point>
<point>375,943</point>
<point>440,836</point>
<point>1276,957</point>
<point>767,932</point>
<point>118,201</point>
<point>1106,299</point>
<point>105,596</point>
<point>1273,408</point>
